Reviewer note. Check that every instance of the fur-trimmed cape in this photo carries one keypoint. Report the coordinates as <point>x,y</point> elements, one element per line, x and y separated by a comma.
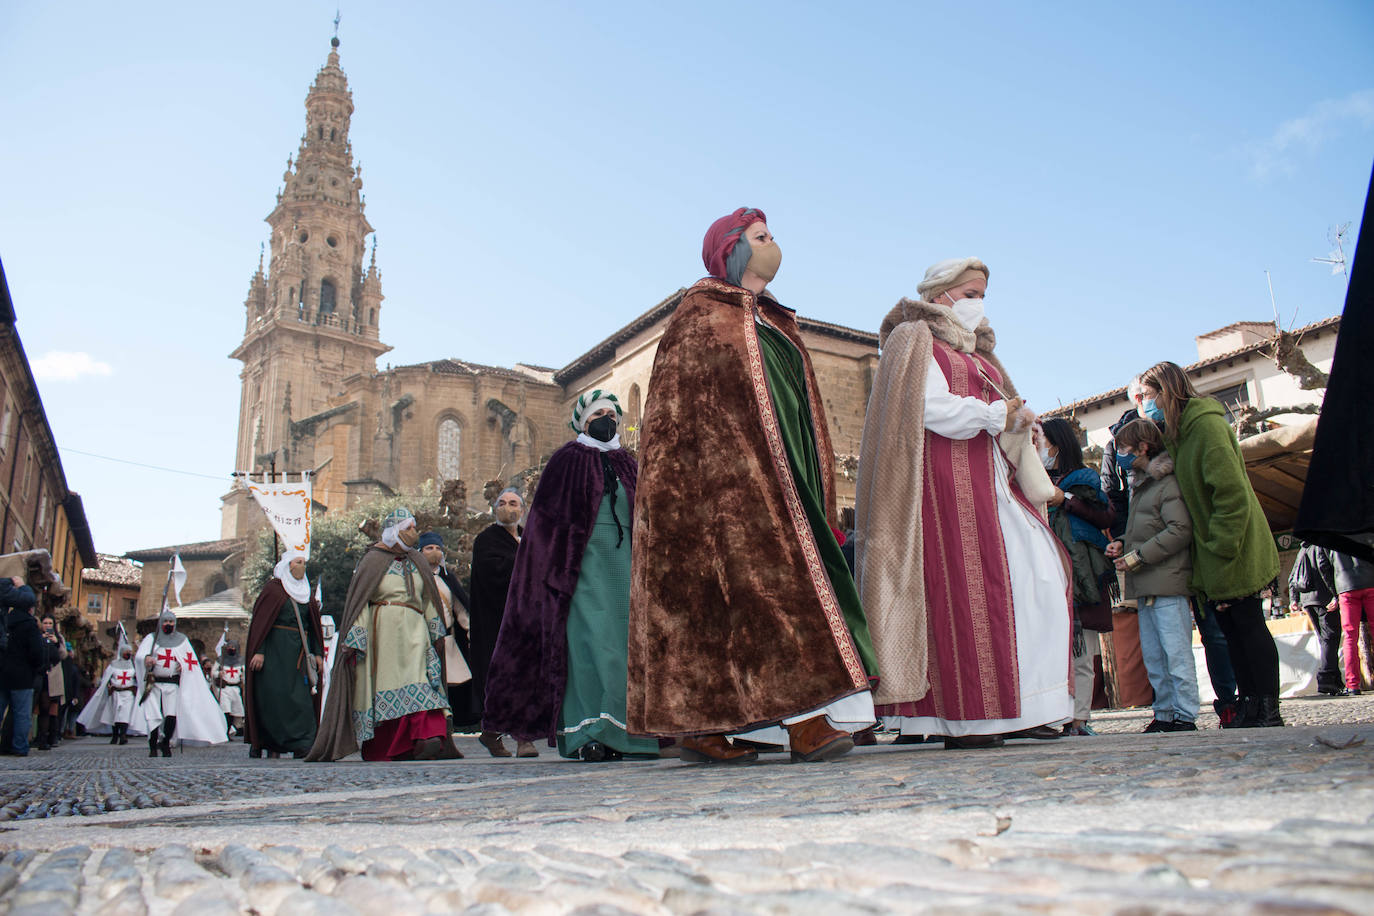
<point>733,622</point>
<point>889,549</point>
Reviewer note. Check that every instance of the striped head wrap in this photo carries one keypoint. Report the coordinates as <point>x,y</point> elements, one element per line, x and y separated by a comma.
<point>588,404</point>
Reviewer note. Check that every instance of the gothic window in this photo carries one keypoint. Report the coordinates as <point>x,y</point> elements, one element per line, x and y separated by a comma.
<point>331,133</point>
<point>450,440</point>
<point>321,133</point>
<point>371,320</point>
<point>633,417</point>
<point>5,428</point>
<point>326,297</point>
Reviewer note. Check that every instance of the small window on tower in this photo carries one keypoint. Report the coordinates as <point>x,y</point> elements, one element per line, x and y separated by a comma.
<point>321,133</point>
<point>332,242</point>
<point>326,297</point>
<point>303,238</point>
<point>371,317</point>
<point>331,133</point>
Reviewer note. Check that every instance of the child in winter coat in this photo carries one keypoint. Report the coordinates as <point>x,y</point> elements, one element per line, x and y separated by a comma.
<point>1154,555</point>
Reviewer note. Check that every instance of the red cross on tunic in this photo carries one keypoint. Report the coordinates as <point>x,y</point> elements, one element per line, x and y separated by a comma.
<point>231,672</point>
<point>123,678</point>
<point>165,658</point>
<point>326,653</point>
<point>190,660</point>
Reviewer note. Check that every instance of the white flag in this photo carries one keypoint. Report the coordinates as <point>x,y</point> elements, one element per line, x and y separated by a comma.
<point>219,646</point>
<point>123,639</point>
<point>319,593</point>
<point>287,505</point>
<point>178,576</point>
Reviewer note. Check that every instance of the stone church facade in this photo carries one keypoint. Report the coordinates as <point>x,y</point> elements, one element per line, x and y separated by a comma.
<point>313,399</point>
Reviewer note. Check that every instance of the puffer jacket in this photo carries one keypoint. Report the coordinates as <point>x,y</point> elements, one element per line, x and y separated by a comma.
<point>1158,530</point>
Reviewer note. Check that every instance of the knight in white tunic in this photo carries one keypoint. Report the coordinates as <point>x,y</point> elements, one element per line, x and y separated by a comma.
<point>111,706</point>
<point>175,698</point>
<point>230,681</point>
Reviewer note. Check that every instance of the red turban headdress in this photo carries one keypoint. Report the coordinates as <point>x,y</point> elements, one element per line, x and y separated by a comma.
<point>723,235</point>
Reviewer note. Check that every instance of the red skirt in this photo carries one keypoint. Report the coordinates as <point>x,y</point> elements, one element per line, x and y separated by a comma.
<point>395,738</point>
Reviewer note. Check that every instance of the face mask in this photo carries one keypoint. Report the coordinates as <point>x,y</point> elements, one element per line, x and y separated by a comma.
<point>1152,411</point>
<point>765,261</point>
<point>1045,458</point>
<point>602,428</point>
<point>168,628</point>
<point>1125,460</point>
<point>968,312</point>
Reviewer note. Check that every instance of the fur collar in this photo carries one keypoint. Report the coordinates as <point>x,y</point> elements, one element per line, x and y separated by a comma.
<point>942,324</point>
<point>1160,466</point>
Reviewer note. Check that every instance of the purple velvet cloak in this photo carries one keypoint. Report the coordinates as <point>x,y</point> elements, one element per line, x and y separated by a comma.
<point>529,669</point>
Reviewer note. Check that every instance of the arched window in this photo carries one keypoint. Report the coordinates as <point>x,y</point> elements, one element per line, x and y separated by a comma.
<point>450,442</point>
<point>371,317</point>
<point>321,133</point>
<point>331,133</point>
<point>633,414</point>
<point>326,297</point>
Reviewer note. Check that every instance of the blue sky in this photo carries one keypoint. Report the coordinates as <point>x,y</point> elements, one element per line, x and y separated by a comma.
<point>540,173</point>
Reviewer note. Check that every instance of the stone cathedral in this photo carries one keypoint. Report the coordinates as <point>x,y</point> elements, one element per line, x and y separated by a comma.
<point>312,396</point>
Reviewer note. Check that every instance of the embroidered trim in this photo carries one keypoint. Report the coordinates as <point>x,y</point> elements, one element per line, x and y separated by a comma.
<point>603,717</point>
<point>839,631</point>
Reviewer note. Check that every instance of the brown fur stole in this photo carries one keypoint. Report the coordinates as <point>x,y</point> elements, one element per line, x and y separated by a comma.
<point>889,549</point>
<point>733,623</point>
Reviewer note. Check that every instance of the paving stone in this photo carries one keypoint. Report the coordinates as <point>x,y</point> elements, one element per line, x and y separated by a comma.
<point>52,888</point>
<point>453,860</point>
<point>307,903</point>
<point>128,902</point>
<point>9,877</point>
<point>235,859</point>
<point>592,862</point>
<point>114,859</point>
<point>319,875</point>
<point>179,878</point>
<point>345,861</point>
<point>208,904</point>
<point>122,879</point>
<point>266,885</point>
<point>374,898</point>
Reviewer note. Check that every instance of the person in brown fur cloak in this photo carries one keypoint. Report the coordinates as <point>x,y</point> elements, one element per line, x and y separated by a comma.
<point>743,613</point>
<point>386,694</point>
<point>965,585</point>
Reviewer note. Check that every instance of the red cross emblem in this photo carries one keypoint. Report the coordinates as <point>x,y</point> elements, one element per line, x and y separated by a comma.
<point>326,653</point>
<point>231,672</point>
<point>123,678</point>
<point>165,658</point>
<point>190,659</point>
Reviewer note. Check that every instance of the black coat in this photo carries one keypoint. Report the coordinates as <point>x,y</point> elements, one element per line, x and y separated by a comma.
<point>1338,497</point>
<point>26,655</point>
<point>462,699</point>
<point>493,562</point>
<point>1115,482</point>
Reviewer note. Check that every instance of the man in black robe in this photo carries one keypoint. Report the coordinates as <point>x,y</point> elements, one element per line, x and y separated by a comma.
<point>493,562</point>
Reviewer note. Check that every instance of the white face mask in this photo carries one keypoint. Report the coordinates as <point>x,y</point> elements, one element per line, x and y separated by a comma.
<point>968,312</point>
<point>1045,458</point>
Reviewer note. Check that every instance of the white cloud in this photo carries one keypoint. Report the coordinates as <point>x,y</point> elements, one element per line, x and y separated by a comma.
<point>61,366</point>
<point>1322,122</point>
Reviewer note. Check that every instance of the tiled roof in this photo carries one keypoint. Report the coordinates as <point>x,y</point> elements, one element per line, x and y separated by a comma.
<point>199,550</point>
<point>1107,397</point>
<point>114,571</point>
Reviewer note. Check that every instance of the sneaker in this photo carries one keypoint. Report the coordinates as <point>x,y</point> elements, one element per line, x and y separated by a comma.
<point>1182,725</point>
<point>1158,725</point>
<point>1345,692</point>
<point>1079,731</point>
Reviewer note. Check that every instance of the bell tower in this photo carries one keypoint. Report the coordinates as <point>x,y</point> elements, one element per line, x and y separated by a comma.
<point>313,318</point>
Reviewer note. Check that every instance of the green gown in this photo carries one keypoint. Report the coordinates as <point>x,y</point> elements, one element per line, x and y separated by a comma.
<point>782,364</point>
<point>283,710</point>
<point>598,631</point>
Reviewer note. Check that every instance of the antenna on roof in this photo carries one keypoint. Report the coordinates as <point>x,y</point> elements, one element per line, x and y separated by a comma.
<point>1268,279</point>
<point>1336,236</point>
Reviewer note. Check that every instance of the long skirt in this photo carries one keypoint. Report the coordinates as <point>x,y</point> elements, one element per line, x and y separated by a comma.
<point>283,710</point>
<point>598,634</point>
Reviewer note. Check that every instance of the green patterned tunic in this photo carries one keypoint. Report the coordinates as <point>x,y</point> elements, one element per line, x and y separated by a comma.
<point>398,671</point>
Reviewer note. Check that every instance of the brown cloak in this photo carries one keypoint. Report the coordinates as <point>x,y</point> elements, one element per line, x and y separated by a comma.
<point>733,622</point>
<point>265,611</point>
<point>335,738</point>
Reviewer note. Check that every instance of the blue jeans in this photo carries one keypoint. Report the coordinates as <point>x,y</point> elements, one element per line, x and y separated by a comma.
<point>1166,644</point>
<point>20,705</point>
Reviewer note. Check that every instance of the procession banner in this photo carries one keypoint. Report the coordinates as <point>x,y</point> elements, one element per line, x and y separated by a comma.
<point>287,505</point>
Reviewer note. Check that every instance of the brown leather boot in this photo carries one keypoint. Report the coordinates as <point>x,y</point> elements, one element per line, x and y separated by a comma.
<point>427,749</point>
<point>816,739</point>
<point>526,749</point>
<point>714,749</point>
<point>973,742</point>
<point>492,742</point>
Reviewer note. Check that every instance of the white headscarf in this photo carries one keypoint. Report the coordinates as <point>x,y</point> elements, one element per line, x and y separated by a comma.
<point>944,275</point>
<point>399,520</point>
<point>298,589</point>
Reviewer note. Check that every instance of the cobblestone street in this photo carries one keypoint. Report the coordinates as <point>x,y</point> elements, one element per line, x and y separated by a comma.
<point>1267,820</point>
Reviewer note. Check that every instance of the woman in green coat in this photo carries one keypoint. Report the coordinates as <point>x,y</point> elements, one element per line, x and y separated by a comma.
<point>1234,557</point>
